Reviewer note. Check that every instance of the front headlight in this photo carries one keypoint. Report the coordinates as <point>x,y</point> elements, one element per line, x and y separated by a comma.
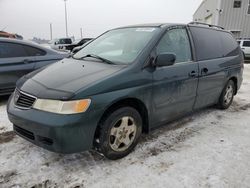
<point>62,107</point>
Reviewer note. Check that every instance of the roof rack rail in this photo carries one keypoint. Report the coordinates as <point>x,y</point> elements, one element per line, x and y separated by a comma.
<point>209,25</point>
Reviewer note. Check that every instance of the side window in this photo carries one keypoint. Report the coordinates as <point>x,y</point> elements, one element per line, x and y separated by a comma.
<point>207,43</point>
<point>176,41</point>
<point>229,44</point>
<point>246,43</point>
<point>34,51</point>
<point>8,50</point>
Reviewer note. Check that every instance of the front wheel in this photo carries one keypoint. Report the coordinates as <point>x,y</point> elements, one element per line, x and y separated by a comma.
<point>120,133</point>
<point>227,95</point>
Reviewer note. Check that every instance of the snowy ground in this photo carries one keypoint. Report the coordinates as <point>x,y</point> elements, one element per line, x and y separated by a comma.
<point>210,148</point>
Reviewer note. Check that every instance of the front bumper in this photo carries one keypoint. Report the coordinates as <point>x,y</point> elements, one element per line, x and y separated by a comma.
<point>54,132</point>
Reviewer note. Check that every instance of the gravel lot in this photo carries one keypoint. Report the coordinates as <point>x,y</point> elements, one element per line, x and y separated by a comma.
<point>210,148</point>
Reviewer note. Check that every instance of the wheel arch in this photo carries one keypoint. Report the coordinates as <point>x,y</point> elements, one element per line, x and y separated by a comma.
<point>126,102</point>
<point>235,80</point>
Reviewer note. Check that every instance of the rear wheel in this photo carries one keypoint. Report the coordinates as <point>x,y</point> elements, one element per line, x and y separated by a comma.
<point>120,133</point>
<point>227,95</point>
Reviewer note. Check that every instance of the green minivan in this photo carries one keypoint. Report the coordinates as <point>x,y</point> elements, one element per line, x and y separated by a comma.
<point>126,82</point>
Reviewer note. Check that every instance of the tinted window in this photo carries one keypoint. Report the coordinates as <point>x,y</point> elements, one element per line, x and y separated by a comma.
<point>229,44</point>
<point>175,41</point>
<point>11,50</point>
<point>211,44</point>
<point>246,43</point>
<point>65,41</point>
<point>34,51</point>
<point>207,43</point>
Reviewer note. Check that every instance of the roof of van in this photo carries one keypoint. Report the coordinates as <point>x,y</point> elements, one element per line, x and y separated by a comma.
<point>162,25</point>
<point>153,25</point>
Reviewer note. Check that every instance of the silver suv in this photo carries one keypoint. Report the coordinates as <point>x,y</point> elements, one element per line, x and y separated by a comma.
<point>245,46</point>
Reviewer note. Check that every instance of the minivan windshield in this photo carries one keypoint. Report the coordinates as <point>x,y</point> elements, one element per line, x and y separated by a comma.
<point>120,46</point>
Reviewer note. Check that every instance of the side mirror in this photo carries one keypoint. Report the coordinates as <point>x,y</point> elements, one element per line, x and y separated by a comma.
<point>55,43</point>
<point>165,59</point>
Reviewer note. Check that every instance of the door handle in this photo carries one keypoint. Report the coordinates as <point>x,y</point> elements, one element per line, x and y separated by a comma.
<point>243,48</point>
<point>193,74</point>
<point>204,70</point>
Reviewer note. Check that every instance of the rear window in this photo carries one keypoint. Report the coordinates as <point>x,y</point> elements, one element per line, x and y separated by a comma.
<point>246,43</point>
<point>211,44</point>
<point>34,51</point>
<point>8,50</point>
<point>65,41</point>
<point>229,44</point>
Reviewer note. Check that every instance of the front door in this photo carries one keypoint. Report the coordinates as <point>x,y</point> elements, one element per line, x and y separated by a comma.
<point>174,87</point>
<point>14,63</point>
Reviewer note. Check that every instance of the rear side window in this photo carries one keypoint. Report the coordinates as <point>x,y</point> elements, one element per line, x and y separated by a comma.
<point>176,41</point>
<point>8,50</point>
<point>212,44</point>
<point>31,51</point>
<point>229,44</point>
<point>207,43</point>
<point>246,43</point>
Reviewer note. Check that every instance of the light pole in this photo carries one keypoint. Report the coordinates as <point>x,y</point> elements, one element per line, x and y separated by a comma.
<point>66,21</point>
<point>81,32</point>
<point>50,25</point>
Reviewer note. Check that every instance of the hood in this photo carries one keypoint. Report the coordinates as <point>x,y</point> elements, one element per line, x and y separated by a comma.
<point>66,77</point>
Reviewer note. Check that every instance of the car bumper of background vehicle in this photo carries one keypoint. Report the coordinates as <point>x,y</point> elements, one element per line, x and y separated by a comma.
<point>54,132</point>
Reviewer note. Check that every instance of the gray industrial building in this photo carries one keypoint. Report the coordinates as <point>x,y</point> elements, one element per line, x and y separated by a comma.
<point>233,15</point>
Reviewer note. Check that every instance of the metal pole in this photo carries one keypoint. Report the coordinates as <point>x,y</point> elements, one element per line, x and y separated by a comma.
<point>50,31</point>
<point>66,21</point>
<point>81,32</point>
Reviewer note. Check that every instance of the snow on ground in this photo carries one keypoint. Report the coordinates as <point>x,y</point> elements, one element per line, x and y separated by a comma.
<point>210,148</point>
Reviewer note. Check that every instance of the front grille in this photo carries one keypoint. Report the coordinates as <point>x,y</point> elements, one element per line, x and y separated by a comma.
<point>23,100</point>
<point>24,132</point>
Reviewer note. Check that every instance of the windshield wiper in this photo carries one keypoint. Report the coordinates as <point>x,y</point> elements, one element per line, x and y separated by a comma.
<point>98,57</point>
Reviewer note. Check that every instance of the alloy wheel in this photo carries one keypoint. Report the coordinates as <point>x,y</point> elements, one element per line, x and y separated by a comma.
<point>122,134</point>
<point>228,94</point>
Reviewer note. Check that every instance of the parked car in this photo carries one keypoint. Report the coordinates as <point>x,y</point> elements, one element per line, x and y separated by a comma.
<point>77,43</point>
<point>18,58</point>
<point>78,48</point>
<point>245,46</point>
<point>59,44</point>
<point>10,35</point>
<point>128,81</point>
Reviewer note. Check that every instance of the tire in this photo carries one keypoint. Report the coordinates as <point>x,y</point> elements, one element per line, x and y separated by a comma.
<point>119,133</point>
<point>227,95</point>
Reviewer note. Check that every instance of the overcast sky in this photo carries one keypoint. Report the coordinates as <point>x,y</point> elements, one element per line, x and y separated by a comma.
<point>32,17</point>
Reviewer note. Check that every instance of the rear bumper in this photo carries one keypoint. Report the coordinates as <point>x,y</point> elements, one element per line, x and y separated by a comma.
<point>54,132</point>
<point>247,55</point>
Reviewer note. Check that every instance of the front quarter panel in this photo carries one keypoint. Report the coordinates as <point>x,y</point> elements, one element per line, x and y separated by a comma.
<point>130,86</point>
